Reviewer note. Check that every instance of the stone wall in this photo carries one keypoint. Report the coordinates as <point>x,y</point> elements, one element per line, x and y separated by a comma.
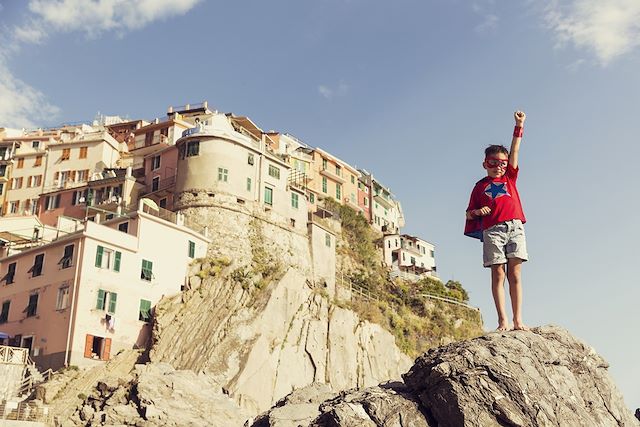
<point>238,228</point>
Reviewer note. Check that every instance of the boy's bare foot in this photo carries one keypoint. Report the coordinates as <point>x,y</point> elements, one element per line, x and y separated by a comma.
<point>518,326</point>
<point>502,327</point>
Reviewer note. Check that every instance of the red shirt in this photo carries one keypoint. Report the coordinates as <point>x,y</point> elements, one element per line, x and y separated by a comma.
<point>499,194</point>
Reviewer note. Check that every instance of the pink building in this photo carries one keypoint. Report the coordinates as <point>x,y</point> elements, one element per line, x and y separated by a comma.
<point>160,169</point>
<point>88,294</point>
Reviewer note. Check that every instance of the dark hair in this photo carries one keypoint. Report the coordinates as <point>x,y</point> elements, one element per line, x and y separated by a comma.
<point>495,149</point>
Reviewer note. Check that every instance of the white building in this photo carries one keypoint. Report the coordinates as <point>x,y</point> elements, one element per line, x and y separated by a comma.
<point>409,256</point>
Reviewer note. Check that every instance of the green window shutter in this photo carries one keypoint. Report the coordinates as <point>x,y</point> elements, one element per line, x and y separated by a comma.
<point>113,298</point>
<point>99,253</point>
<point>145,310</point>
<point>116,263</point>
<point>192,249</point>
<point>100,302</point>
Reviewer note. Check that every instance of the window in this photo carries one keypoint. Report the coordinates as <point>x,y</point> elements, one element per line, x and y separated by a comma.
<point>148,139</point>
<point>223,174</point>
<point>312,198</point>
<point>107,301</point>
<point>83,152</point>
<point>192,249</point>
<point>155,163</point>
<point>432,254</point>
<point>338,191</point>
<point>38,161</point>
<point>353,179</point>
<point>34,181</point>
<point>193,148</point>
<point>294,200</point>
<point>3,153</point>
<point>14,206</point>
<point>63,298</point>
<point>327,240</point>
<point>338,170</point>
<point>124,227</point>
<point>155,183</point>
<point>145,310</point>
<point>181,151</point>
<point>248,184</point>
<point>32,307</point>
<point>97,347</point>
<point>79,197</point>
<point>268,196</point>
<point>65,261</point>
<point>4,314</point>
<point>147,270</point>
<point>274,172</point>
<point>3,170</point>
<point>35,144</point>
<point>11,272</point>
<point>82,175</point>
<point>1,187</point>
<point>52,202</point>
<point>250,159</point>
<point>353,198</point>
<point>366,202</point>
<point>164,131</point>
<point>20,163</point>
<point>413,261</point>
<point>324,184</point>
<point>36,268</point>
<point>66,154</point>
<point>16,183</point>
<point>163,203</point>
<point>324,164</point>
<point>108,259</point>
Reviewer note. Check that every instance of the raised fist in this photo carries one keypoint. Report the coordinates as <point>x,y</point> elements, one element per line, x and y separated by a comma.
<point>519,116</point>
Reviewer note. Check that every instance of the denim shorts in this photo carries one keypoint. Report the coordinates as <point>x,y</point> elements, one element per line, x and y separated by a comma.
<point>502,241</point>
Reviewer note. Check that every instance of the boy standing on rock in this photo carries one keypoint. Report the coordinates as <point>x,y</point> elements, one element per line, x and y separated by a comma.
<point>495,217</point>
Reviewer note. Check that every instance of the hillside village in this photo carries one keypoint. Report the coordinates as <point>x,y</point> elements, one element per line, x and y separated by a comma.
<point>131,180</point>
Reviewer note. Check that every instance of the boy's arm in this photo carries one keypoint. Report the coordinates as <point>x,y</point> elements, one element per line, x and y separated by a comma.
<point>517,137</point>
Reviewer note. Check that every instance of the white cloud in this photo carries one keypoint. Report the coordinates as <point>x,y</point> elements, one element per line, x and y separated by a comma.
<point>330,92</point>
<point>489,20</point>
<point>94,17</point>
<point>20,104</point>
<point>608,28</point>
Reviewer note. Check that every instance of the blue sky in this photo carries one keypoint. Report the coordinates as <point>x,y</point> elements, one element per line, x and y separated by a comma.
<point>411,90</point>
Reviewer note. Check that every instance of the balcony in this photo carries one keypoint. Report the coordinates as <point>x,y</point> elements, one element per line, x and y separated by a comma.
<point>332,175</point>
<point>385,202</point>
<point>298,179</point>
<point>57,186</point>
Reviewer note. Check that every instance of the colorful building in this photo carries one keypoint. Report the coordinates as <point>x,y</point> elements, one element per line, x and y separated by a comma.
<point>84,296</point>
<point>409,256</point>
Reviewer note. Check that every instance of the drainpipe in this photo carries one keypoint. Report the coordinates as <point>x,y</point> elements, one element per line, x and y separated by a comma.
<point>44,177</point>
<point>72,314</point>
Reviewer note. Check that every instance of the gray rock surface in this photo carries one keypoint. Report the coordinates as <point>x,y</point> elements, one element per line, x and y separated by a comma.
<point>159,395</point>
<point>543,377</point>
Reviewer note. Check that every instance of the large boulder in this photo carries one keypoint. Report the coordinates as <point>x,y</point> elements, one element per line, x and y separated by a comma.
<point>542,377</point>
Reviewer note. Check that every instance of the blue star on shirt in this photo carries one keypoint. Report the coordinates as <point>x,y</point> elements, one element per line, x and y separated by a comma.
<point>495,190</point>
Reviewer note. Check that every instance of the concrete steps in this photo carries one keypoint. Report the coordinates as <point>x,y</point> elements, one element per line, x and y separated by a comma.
<point>67,400</point>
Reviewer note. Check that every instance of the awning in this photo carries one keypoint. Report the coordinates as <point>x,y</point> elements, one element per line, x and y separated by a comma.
<point>3,335</point>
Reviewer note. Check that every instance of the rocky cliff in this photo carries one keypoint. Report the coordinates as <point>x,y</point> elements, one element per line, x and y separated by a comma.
<point>260,344</point>
<point>544,377</point>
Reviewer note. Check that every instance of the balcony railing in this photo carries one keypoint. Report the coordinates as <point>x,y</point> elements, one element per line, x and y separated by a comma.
<point>334,176</point>
<point>13,355</point>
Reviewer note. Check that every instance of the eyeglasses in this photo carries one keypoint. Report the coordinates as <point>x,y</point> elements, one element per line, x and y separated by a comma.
<point>494,163</point>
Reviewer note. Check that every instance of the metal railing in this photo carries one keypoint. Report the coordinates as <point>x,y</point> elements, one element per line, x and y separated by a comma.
<point>25,411</point>
<point>13,355</point>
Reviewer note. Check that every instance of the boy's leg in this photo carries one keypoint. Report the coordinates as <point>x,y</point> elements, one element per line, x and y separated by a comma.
<point>497,289</point>
<point>515,292</point>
